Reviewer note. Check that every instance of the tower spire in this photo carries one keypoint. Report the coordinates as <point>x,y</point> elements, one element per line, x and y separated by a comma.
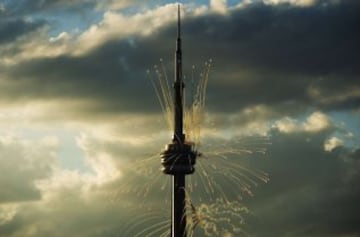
<point>178,87</point>
<point>179,21</point>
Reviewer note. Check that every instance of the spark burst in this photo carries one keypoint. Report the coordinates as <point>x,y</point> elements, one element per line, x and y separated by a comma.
<point>219,218</point>
<point>221,179</point>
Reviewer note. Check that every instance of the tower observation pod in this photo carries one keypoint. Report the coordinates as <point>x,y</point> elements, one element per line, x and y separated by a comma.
<point>178,158</point>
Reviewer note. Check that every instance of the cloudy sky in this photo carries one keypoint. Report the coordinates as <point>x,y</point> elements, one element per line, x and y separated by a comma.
<point>79,117</point>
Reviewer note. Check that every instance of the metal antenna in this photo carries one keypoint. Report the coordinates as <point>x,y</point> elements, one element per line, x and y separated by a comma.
<point>178,158</point>
<point>178,87</point>
<point>179,25</point>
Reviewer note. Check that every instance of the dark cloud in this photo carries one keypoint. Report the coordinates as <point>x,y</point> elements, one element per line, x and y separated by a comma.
<point>262,54</point>
<point>26,7</point>
<point>273,54</point>
<point>76,216</point>
<point>10,30</point>
<point>111,77</point>
<point>311,192</point>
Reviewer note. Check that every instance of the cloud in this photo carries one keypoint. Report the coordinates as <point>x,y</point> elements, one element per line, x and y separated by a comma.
<point>80,213</point>
<point>307,187</point>
<point>316,122</point>
<point>303,3</point>
<point>22,164</point>
<point>29,7</point>
<point>83,203</point>
<point>332,143</point>
<point>219,6</point>
<point>114,26</point>
<point>10,30</point>
<point>301,203</point>
<point>258,49</point>
<point>118,26</point>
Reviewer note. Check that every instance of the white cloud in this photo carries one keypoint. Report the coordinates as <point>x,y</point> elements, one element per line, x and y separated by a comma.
<point>36,44</point>
<point>63,36</point>
<point>219,6</point>
<point>332,143</point>
<point>286,125</point>
<point>244,4</point>
<point>302,3</point>
<point>7,213</point>
<point>118,26</point>
<point>316,122</point>
<point>100,160</point>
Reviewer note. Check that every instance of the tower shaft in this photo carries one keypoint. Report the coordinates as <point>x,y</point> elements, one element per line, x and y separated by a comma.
<point>178,219</point>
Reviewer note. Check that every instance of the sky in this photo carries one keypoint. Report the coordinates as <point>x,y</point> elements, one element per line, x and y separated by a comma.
<point>82,128</point>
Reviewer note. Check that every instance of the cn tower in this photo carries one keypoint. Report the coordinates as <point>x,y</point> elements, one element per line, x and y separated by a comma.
<point>178,158</point>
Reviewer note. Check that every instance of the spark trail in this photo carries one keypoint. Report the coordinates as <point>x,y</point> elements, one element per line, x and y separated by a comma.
<point>152,223</point>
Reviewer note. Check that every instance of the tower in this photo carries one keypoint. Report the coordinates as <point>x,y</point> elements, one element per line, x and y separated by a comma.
<point>178,158</point>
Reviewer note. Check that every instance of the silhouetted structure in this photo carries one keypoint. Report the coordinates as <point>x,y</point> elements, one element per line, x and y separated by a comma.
<point>178,158</point>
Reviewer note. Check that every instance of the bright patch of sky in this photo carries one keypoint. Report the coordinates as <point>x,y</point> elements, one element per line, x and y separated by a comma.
<point>351,126</point>
<point>68,21</point>
<point>70,156</point>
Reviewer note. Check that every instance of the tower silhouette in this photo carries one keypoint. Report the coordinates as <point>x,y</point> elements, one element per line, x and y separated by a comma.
<point>178,158</point>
